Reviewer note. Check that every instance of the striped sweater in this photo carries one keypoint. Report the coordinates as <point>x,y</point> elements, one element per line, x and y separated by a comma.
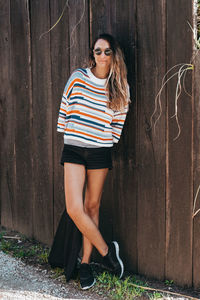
<point>84,116</point>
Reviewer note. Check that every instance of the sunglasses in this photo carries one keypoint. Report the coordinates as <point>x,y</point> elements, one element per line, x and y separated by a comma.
<point>107,51</point>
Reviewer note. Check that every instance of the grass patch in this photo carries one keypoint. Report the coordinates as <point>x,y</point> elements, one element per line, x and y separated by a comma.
<point>21,247</point>
<point>125,289</point>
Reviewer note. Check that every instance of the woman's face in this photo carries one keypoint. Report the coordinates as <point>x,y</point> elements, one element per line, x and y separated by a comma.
<point>102,60</point>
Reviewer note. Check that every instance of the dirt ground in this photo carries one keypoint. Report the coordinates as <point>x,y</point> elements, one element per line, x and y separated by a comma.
<point>30,278</point>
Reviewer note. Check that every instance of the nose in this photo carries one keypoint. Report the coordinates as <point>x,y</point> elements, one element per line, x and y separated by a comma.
<point>103,54</point>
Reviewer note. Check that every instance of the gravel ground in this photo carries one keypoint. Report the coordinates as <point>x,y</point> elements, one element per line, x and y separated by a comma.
<point>21,281</point>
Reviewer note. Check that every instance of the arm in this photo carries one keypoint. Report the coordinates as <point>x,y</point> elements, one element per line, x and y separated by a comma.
<point>118,120</point>
<point>64,103</point>
<point>118,123</point>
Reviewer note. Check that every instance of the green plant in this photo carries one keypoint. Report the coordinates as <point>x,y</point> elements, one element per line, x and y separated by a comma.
<point>120,289</point>
<point>2,234</point>
<point>169,282</point>
<point>57,272</point>
<point>155,295</point>
<point>6,246</point>
<point>43,257</point>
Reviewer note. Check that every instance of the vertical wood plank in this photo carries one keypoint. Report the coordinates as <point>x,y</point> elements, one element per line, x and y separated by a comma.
<point>60,71</point>
<point>179,196</point>
<point>20,87</point>
<point>124,177</point>
<point>102,17</point>
<point>7,119</point>
<point>78,33</point>
<point>42,122</point>
<point>151,145</point>
<point>196,151</point>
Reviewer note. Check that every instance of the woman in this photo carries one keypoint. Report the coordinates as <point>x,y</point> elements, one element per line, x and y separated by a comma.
<point>92,114</point>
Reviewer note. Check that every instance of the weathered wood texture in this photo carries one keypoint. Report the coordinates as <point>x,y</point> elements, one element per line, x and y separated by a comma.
<point>42,122</point>
<point>7,111</point>
<point>196,174</point>
<point>151,145</point>
<point>179,181</point>
<point>148,197</point>
<point>60,71</point>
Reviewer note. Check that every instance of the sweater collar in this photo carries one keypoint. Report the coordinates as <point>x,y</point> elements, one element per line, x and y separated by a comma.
<point>94,78</point>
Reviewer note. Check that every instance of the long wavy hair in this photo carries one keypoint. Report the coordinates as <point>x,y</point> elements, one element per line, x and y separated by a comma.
<point>116,84</point>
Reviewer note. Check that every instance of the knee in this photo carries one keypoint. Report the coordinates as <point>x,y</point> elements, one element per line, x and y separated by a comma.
<point>74,211</point>
<point>92,208</point>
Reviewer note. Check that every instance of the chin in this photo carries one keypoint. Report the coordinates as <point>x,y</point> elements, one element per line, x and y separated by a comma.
<point>103,63</point>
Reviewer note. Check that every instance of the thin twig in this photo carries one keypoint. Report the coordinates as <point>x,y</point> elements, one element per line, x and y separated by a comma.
<point>197,42</point>
<point>158,99</point>
<point>195,200</point>
<point>196,213</point>
<point>178,92</point>
<point>74,28</point>
<point>66,4</point>
<point>11,237</point>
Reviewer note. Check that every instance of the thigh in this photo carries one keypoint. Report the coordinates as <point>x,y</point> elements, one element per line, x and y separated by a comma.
<point>74,178</point>
<point>94,187</point>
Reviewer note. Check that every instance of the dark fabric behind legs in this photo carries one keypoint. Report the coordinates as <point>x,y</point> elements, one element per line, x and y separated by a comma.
<point>66,246</point>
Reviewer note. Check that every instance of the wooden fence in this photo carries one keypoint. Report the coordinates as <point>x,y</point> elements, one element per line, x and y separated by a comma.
<point>148,198</point>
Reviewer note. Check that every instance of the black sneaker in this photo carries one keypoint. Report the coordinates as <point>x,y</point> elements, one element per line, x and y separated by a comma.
<point>112,260</point>
<point>87,279</point>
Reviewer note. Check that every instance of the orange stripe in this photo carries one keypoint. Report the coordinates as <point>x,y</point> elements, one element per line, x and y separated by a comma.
<point>92,91</point>
<point>86,134</point>
<point>64,110</point>
<point>116,134</point>
<point>83,82</point>
<point>87,115</point>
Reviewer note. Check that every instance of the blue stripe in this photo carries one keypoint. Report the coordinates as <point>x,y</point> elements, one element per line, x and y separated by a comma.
<point>87,88</point>
<point>91,93</point>
<point>85,121</point>
<point>83,71</point>
<point>85,99</point>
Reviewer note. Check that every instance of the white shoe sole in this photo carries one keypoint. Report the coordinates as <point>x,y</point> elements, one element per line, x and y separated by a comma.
<point>119,259</point>
<point>89,286</point>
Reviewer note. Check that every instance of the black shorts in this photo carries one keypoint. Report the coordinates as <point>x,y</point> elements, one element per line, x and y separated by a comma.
<point>92,158</point>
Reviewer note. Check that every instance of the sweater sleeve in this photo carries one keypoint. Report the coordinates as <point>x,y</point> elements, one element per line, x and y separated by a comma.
<point>118,120</point>
<point>64,102</point>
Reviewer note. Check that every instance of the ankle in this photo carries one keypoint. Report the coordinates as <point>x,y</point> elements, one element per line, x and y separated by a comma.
<point>85,261</point>
<point>105,251</point>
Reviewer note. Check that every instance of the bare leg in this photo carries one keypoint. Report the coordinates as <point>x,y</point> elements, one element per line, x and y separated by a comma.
<point>74,178</point>
<point>95,182</point>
